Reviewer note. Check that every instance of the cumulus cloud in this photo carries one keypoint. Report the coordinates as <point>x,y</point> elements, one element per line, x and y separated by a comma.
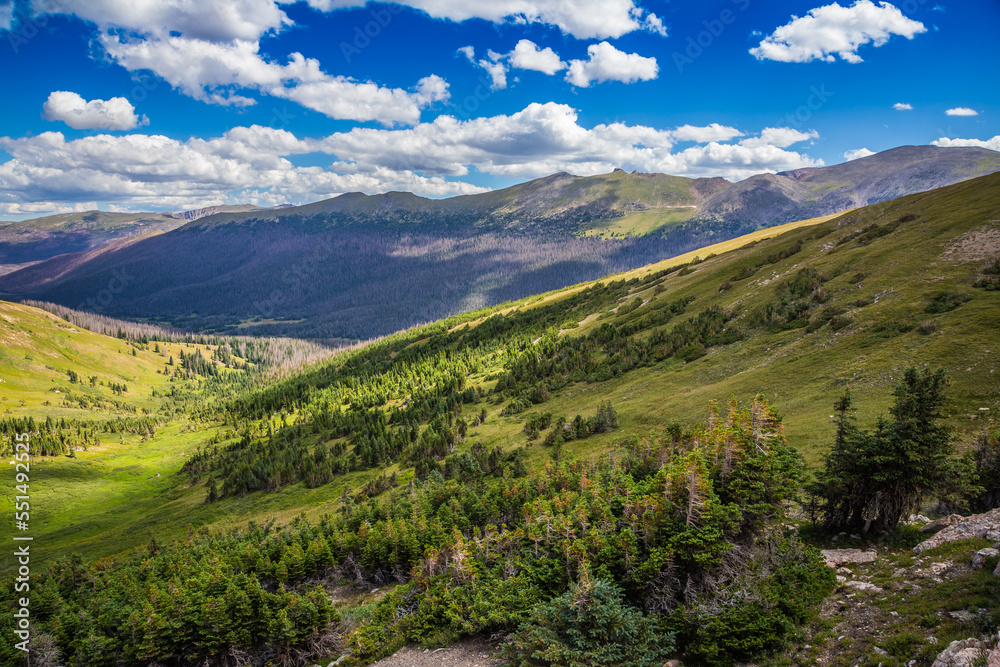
<point>211,51</point>
<point>780,137</point>
<point>6,16</point>
<point>70,108</point>
<point>545,138</point>
<point>702,135</point>
<point>962,111</point>
<point>527,55</point>
<point>219,20</point>
<point>833,30</point>
<point>251,164</point>
<point>213,72</point>
<point>902,106</point>
<point>857,153</point>
<point>606,63</point>
<point>992,144</point>
<point>583,19</point>
<point>157,172</point>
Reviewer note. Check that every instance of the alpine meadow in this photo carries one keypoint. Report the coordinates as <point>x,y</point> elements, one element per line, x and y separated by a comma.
<point>588,333</point>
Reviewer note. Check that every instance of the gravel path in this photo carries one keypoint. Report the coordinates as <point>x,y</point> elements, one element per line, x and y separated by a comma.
<point>471,653</point>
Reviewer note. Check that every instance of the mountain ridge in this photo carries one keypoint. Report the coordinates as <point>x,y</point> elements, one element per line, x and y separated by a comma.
<point>357,266</point>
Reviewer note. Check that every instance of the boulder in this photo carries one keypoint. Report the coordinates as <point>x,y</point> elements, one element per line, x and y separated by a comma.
<point>836,557</point>
<point>960,653</point>
<point>942,523</point>
<point>863,586</point>
<point>977,525</point>
<point>979,558</point>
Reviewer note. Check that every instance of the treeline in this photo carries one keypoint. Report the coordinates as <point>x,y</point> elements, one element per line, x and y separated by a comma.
<point>274,354</point>
<point>55,437</point>
<point>687,526</point>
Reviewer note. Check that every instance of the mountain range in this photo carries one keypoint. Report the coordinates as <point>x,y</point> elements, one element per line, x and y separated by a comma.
<point>357,266</point>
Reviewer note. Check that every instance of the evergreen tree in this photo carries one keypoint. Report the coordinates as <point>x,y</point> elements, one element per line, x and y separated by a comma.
<point>874,479</point>
<point>588,625</point>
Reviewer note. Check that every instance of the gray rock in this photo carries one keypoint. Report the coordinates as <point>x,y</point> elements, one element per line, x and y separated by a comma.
<point>979,558</point>
<point>942,523</point>
<point>960,653</point>
<point>863,586</point>
<point>835,557</point>
<point>977,525</point>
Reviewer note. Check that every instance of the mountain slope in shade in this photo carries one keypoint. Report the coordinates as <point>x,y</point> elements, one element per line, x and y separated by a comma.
<point>356,266</point>
<point>36,240</point>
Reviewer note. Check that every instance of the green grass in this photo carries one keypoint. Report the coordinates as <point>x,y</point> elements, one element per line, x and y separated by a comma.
<point>640,223</point>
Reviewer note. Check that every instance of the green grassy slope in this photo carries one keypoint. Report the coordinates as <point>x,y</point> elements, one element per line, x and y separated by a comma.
<point>883,266</point>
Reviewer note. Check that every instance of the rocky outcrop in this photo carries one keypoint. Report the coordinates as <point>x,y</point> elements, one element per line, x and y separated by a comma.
<point>940,524</point>
<point>977,525</point>
<point>835,557</point>
<point>960,653</point>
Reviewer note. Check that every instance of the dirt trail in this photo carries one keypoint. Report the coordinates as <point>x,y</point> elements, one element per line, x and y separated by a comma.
<point>470,653</point>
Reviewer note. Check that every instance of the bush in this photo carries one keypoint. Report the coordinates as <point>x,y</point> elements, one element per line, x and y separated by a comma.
<point>588,625</point>
<point>946,301</point>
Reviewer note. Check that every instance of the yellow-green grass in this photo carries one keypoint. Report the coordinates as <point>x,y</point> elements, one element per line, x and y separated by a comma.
<point>641,222</point>
<point>38,349</point>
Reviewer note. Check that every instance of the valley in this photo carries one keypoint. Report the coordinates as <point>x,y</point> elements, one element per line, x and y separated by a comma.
<point>423,461</point>
<point>328,270</point>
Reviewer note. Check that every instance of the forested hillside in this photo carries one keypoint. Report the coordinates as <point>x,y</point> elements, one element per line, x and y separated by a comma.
<point>497,470</point>
<point>333,269</point>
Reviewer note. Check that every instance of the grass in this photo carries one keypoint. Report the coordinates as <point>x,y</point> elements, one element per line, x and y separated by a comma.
<point>640,223</point>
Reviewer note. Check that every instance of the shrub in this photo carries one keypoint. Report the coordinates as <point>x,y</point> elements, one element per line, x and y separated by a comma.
<point>588,625</point>
<point>691,351</point>
<point>945,301</point>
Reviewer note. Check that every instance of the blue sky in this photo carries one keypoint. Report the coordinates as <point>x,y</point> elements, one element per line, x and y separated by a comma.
<point>171,104</point>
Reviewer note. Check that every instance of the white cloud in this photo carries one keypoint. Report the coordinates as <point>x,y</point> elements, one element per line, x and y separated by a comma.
<point>653,23</point>
<point>962,111</point>
<point>606,63</point>
<point>857,153</point>
<point>114,114</point>
<point>546,138</point>
<point>145,172</point>
<point>6,16</point>
<point>992,144</point>
<point>218,20</point>
<point>497,72</point>
<point>527,55</point>
<point>781,137</point>
<point>835,30</point>
<point>703,135</point>
<point>902,106</point>
<point>583,19</point>
<point>213,72</point>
